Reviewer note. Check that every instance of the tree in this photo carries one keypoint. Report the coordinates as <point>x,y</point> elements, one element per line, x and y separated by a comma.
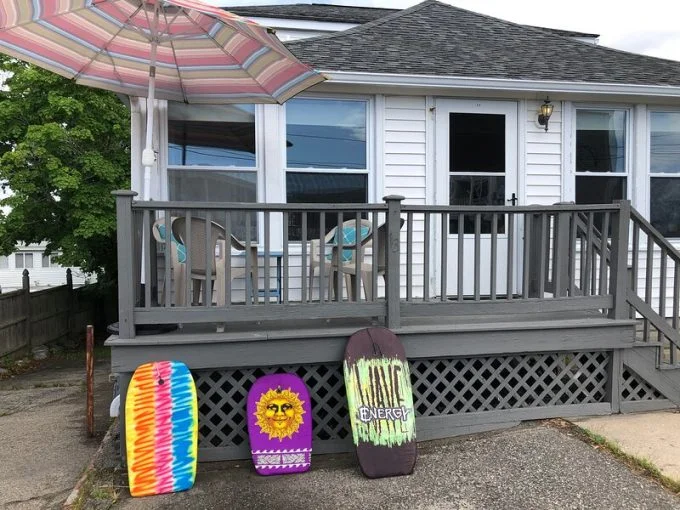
<point>63,149</point>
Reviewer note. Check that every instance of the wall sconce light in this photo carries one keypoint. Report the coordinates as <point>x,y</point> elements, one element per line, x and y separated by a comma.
<point>546,112</point>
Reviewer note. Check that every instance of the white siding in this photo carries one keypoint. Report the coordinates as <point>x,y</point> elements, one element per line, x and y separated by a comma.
<point>405,169</point>
<point>543,181</point>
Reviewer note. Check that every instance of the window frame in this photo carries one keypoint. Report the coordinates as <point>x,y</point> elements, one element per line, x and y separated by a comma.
<point>23,259</point>
<point>570,191</point>
<point>369,171</point>
<point>649,175</point>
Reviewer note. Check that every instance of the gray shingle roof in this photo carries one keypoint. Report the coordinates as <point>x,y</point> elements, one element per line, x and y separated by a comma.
<point>438,39</point>
<point>314,12</point>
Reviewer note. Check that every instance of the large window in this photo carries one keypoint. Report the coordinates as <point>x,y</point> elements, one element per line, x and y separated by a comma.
<point>601,165</point>
<point>326,157</point>
<point>23,260</point>
<point>664,169</point>
<point>4,262</point>
<point>212,157</point>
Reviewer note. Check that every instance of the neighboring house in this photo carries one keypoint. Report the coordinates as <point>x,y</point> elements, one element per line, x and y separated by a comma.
<point>440,105</point>
<point>43,271</point>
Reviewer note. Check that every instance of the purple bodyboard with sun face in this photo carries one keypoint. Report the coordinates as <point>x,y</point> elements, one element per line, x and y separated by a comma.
<point>280,424</point>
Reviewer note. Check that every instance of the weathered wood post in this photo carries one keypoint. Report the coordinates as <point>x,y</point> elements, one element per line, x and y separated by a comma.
<point>618,272</point>
<point>26,287</point>
<point>562,252</point>
<point>89,369</point>
<point>126,283</point>
<point>393,260</point>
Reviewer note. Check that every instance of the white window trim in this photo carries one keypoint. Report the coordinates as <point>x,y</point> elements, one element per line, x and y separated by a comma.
<point>648,166</point>
<point>569,193</point>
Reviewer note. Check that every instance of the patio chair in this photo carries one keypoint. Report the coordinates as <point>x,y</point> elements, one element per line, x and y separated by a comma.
<point>349,268</point>
<point>327,259</point>
<point>200,274</point>
<point>177,260</point>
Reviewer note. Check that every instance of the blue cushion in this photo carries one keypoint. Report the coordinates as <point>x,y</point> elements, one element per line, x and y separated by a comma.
<point>181,249</point>
<point>349,235</point>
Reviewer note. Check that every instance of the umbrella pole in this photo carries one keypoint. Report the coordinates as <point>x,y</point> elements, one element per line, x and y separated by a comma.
<point>148,155</point>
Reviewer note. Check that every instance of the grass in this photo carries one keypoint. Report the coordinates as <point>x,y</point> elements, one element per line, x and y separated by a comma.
<point>98,491</point>
<point>639,465</point>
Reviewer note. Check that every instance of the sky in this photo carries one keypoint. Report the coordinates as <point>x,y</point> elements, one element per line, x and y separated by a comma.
<point>650,27</point>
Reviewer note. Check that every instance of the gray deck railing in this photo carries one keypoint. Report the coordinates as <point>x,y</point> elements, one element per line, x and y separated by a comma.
<point>557,260</point>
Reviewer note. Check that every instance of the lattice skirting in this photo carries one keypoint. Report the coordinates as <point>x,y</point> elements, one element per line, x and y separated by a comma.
<point>634,388</point>
<point>441,387</point>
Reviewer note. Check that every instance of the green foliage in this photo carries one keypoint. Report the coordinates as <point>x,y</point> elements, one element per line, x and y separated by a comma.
<point>63,149</point>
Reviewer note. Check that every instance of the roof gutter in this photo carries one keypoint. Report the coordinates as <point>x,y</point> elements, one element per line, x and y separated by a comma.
<point>543,86</point>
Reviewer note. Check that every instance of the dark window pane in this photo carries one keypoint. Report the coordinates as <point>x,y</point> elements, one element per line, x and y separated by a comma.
<point>325,133</point>
<point>217,186</point>
<point>211,135</point>
<point>664,209</point>
<point>665,142</point>
<point>481,191</point>
<point>599,190</point>
<point>322,188</point>
<point>476,142</point>
<point>600,141</point>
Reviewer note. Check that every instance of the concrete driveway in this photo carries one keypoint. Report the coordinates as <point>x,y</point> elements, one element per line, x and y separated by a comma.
<point>533,466</point>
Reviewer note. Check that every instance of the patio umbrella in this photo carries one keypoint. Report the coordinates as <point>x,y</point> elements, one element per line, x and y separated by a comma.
<point>179,50</point>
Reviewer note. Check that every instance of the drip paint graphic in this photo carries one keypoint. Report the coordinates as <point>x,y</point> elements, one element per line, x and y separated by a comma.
<point>380,401</point>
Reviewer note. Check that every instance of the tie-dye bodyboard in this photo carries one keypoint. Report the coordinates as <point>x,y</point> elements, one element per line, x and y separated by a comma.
<point>161,429</point>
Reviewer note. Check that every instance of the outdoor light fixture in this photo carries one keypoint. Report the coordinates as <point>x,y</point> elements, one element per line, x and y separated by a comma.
<point>546,112</point>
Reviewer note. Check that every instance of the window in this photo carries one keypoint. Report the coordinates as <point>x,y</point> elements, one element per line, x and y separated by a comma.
<point>326,157</point>
<point>212,157</point>
<point>4,262</point>
<point>664,170</point>
<point>47,261</point>
<point>23,260</point>
<point>601,163</point>
<point>476,167</point>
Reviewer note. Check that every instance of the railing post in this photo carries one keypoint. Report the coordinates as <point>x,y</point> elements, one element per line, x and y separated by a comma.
<point>534,256</point>
<point>71,312</point>
<point>393,256</point>
<point>618,271</point>
<point>126,288</point>
<point>26,287</point>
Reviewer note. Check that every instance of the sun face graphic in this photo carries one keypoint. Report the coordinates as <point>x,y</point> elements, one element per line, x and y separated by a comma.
<point>279,413</point>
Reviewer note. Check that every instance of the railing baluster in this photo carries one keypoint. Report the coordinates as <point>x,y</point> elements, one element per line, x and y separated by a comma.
<point>648,283</point>
<point>426,256</point>
<point>572,254</point>
<point>267,265</point>
<point>461,256</point>
<point>322,256</point>
<point>635,264</point>
<point>589,255</point>
<point>510,281</point>
<point>359,255</point>
<point>527,257</point>
<point>209,261</point>
<point>478,235</point>
<point>662,295</point>
<point>542,258</point>
<point>603,255</point>
<point>146,256</point>
<point>307,295</point>
<point>676,307</point>
<point>444,253</point>
<point>409,256</point>
<point>339,240</point>
<point>167,284</point>
<point>188,282</point>
<point>252,282</point>
<point>227,259</point>
<point>286,262</point>
<point>374,257</point>
<point>494,254</point>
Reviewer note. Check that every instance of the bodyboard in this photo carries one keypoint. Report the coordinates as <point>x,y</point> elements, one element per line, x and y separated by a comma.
<point>280,424</point>
<point>161,428</point>
<point>380,402</point>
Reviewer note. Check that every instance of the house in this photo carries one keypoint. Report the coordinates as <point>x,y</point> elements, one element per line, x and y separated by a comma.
<point>43,270</point>
<point>510,307</point>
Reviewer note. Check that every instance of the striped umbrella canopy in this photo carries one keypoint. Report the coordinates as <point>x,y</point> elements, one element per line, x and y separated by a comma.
<point>179,50</point>
<point>194,52</point>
